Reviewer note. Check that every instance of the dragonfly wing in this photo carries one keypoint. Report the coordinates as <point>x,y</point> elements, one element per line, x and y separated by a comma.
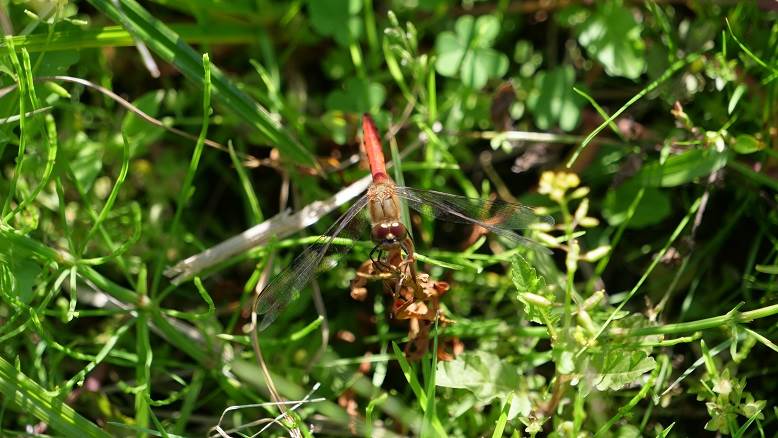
<point>497,216</point>
<point>289,282</point>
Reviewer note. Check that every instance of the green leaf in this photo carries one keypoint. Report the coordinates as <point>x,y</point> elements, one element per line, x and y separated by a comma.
<point>747,144</point>
<point>467,54</point>
<point>25,272</point>
<point>525,277</point>
<point>682,168</point>
<point>617,368</point>
<point>772,270</point>
<point>653,207</point>
<point>54,63</point>
<point>666,431</point>
<point>532,291</point>
<point>450,54</point>
<point>138,132</point>
<point>337,127</point>
<point>564,359</point>
<point>553,101</point>
<point>736,95</point>
<point>88,159</point>
<point>612,36</point>
<point>337,18</point>
<point>482,373</point>
<point>358,96</point>
<point>628,431</point>
<point>520,405</point>
<point>18,272</point>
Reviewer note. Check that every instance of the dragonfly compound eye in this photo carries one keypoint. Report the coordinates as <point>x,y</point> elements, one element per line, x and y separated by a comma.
<point>382,233</point>
<point>398,230</point>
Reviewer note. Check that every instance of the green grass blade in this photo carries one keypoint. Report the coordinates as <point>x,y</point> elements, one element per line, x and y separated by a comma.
<point>421,396</point>
<point>430,413</point>
<point>410,376</point>
<point>116,36</point>
<point>254,210</point>
<point>26,395</point>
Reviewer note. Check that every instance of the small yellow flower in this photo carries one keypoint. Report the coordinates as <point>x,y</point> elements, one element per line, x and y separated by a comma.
<point>546,181</point>
<point>555,184</point>
<point>569,180</point>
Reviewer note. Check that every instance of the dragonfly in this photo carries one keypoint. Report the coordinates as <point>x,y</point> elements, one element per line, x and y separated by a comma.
<point>387,231</point>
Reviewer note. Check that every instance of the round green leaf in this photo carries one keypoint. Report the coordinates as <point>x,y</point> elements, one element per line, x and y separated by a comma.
<point>336,18</point>
<point>553,101</point>
<point>450,54</point>
<point>357,96</point>
<point>487,28</point>
<point>612,36</point>
<point>466,53</point>
<point>482,64</point>
<point>464,28</point>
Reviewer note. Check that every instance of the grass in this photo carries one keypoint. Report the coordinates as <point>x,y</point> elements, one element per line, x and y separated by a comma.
<point>646,131</point>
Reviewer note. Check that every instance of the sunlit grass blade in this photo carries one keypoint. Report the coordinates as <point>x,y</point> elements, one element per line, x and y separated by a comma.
<point>116,36</point>
<point>421,394</point>
<point>25,394</point>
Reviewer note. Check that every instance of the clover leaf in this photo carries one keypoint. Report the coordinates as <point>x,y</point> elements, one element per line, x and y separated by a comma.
<point>336,18</point>
<point>357,96</point>
<point>612,36</point>
<point>553,101</point>
<point>467,53</point>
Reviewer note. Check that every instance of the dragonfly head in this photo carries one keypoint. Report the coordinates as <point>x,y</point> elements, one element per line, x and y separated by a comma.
<point>389,234</point>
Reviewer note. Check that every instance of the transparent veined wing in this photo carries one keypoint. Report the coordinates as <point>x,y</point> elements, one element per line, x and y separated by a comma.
<point>497,216</point>
<point>288,283</point>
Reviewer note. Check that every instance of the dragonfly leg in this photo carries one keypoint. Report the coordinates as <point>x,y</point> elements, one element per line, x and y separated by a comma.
<point>410,261</point>
<point>380,264</point>
<point>372,251</point>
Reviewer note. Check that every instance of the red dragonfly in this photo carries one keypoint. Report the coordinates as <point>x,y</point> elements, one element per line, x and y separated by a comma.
<point>387,230</point>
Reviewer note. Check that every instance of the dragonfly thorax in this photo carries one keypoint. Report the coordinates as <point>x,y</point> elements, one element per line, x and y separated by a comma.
<point>389,234</point>
<point>383,204</point>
